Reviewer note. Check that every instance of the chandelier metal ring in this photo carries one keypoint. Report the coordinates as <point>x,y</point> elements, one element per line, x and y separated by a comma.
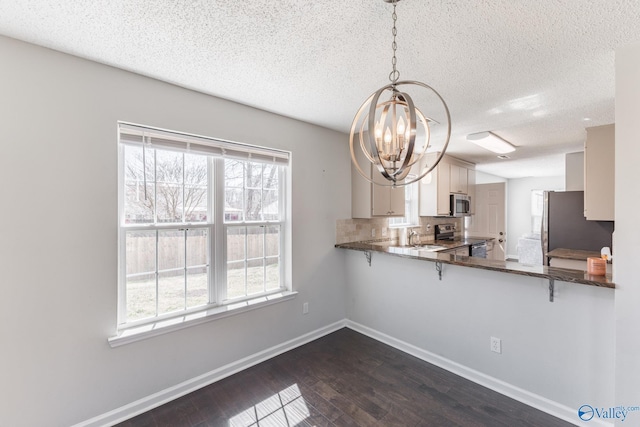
<point>366,116</point>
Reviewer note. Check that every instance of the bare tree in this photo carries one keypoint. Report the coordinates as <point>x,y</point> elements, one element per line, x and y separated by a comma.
<point>252,188</point>
<point>176,184</point>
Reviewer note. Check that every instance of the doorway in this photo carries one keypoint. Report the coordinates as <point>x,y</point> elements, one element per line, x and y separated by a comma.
<point>489,219</point>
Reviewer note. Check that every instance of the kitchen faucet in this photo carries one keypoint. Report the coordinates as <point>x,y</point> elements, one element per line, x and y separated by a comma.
<point>411,235</point>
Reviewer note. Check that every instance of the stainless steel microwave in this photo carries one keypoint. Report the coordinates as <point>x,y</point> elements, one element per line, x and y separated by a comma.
<point>460,205</point>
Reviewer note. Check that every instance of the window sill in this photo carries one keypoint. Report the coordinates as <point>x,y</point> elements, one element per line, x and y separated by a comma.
<point>161,327</point>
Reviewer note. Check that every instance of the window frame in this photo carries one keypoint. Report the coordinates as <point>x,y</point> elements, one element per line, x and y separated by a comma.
<point>217,304</point>
<point>537,207</point>
<point>222,247</point>
<point>411,217</point>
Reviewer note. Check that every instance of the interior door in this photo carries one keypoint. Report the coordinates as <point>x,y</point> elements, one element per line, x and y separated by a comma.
<point>490,218</point>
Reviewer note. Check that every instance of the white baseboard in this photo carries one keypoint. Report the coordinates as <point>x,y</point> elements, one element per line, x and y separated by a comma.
<point>546,405</point>
<point>147,403</point>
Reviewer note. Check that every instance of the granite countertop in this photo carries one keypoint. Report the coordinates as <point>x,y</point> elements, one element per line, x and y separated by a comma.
<point>555,273</point>
<point>459,242</point>
<point>576,254</point>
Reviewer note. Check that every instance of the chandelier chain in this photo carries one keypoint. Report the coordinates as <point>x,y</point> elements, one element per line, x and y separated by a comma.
<point>395,74</point>
<point>392,134</point>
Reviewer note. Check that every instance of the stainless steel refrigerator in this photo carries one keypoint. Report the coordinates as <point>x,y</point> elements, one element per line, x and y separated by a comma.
<point>564,224</point>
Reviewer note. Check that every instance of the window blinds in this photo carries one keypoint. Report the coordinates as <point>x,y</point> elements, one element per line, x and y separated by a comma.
<point>131,134</point>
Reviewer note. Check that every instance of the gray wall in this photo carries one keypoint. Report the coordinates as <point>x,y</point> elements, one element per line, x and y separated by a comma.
<point>574,171</point>
<point>487,178</point>
<point>626,241</point>
<point>58,254</point>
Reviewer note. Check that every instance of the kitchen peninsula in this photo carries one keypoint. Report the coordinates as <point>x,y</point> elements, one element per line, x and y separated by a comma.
<point>551,273</point>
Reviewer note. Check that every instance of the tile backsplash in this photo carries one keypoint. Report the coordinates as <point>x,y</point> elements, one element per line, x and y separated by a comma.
<point>360,230</point>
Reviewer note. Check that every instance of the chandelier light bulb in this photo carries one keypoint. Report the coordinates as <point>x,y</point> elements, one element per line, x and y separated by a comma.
<point>378,132</point>
<point>400,127</point>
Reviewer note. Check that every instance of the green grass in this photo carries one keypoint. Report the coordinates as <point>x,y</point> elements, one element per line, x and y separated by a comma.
<point>141,294</point>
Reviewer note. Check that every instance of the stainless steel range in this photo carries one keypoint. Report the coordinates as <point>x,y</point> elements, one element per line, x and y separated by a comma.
<point>477,247</point>
<point>444,231</point>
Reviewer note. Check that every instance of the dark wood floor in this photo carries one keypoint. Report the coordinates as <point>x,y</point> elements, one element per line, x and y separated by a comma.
<point>344,379</point>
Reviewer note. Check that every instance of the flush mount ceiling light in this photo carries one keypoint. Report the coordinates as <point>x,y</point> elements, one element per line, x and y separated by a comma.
<point>491,142</point>
<point>394,134</point>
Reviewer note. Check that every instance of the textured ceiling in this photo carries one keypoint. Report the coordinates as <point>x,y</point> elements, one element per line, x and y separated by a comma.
<point>534,72</point>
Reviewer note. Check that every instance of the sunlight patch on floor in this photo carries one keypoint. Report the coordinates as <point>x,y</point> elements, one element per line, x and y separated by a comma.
<point>285,408</point>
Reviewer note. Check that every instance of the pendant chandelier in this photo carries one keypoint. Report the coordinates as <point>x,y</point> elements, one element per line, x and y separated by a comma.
<point>394,134</point>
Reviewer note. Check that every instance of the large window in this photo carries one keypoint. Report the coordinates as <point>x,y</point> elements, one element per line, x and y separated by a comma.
<point>202,223</point>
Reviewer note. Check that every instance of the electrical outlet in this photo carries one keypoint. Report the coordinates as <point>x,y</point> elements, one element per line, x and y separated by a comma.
<point>305,308</point>
<point>496,345</point>
<point>373,232</point>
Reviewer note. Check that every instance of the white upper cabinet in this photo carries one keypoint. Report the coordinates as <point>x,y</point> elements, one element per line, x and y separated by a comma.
<point>434,188</point>
<point>451,175</point>
<point>599,173</point>
<point>369,200</point>
<point>458,183</point>
<point>386,201</point>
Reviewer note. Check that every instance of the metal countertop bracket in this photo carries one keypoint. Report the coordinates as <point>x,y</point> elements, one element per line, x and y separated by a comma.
<point>439,269</point>
<point>367,255</point>
<point>551,289</point>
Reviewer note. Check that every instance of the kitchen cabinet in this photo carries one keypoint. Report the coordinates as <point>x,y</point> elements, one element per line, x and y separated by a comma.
<point>451,175</point>
<point>434,188</point>
<point>369,200</point>
<point>471,190</point>
<point>458,179</point>
<point>599,171</point>
<point>386,201</point>
<point>459,172</point>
